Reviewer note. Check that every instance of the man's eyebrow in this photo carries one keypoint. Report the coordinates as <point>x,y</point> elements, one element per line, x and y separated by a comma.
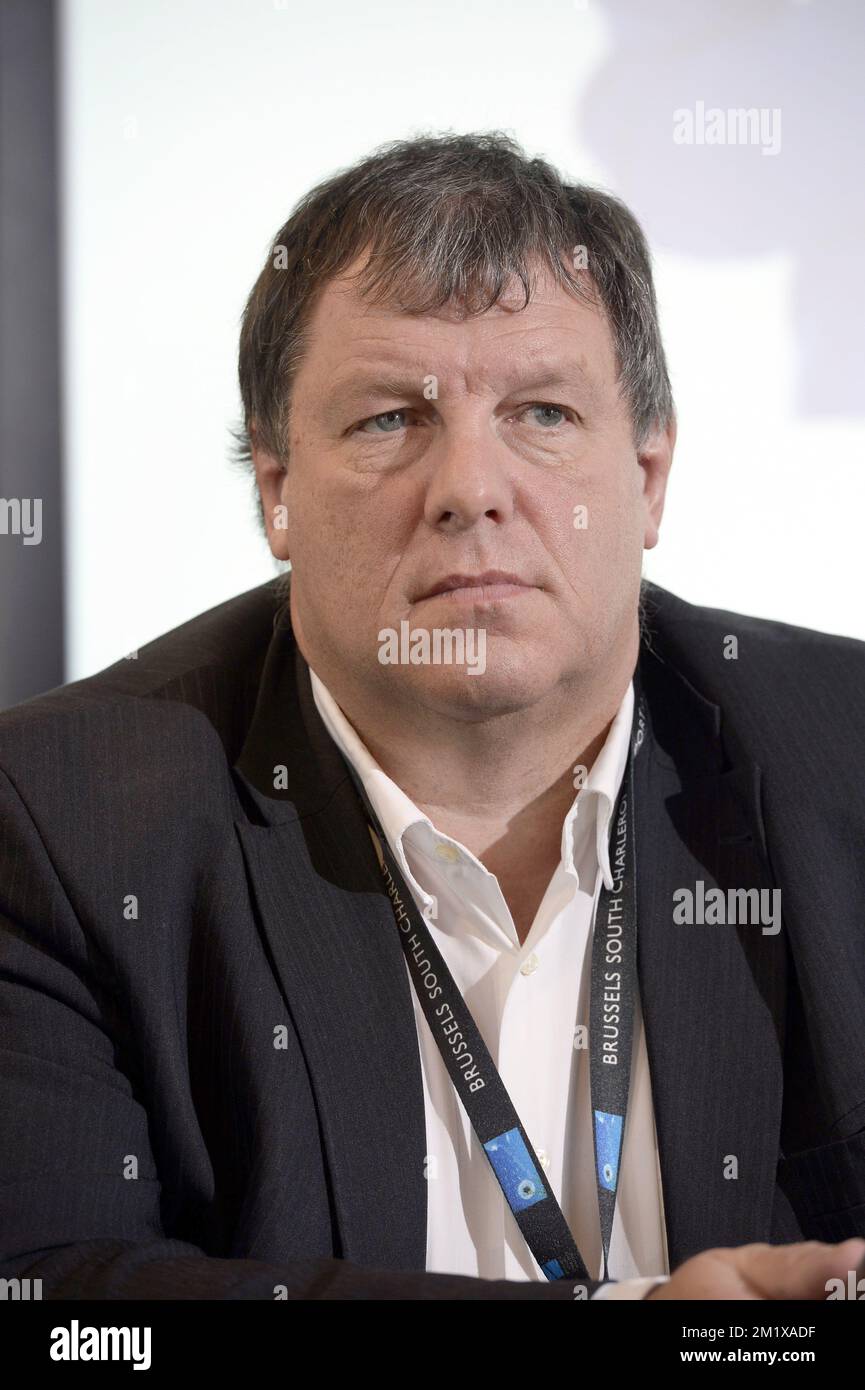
<point>556,374</point>
<point>370,382</point>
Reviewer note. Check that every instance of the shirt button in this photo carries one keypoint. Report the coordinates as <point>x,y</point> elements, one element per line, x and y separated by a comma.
<point>544,1158</point>
<point>529,966</point>
<point>450,853</point>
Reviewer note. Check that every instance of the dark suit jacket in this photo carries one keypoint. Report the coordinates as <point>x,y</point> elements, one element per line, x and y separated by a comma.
<point>167,915</point>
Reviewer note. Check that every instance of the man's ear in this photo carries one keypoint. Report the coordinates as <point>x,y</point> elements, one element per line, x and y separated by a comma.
<point>655,457</point>
<point>270,475</point>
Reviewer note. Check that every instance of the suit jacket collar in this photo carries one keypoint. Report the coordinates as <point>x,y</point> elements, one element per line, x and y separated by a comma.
<point>712,997</point>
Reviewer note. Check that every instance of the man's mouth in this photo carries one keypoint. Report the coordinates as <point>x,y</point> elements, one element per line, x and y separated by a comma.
<point>488,587</point>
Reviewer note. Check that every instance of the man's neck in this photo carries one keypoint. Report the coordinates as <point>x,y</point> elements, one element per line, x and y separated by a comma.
<point>502,786</point>
<point>518,813</point>
<point>522,848</point>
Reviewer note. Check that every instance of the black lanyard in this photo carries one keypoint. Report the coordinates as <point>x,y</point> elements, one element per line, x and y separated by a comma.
<point>611,1019</point>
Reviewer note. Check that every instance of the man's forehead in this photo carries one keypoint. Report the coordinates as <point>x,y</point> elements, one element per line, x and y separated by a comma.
<point>547,332</point>
<point>403,367</point>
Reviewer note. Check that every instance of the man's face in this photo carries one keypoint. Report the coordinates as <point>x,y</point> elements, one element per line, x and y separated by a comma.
<point>430,451</point>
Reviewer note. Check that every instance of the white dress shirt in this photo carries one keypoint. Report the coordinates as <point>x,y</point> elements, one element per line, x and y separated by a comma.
<point>526,1001</point>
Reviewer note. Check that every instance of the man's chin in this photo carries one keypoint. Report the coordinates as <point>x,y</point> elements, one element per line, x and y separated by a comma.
<point>472,692</point>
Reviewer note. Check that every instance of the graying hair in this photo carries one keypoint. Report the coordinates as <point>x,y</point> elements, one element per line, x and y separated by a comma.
<point>448,218</point>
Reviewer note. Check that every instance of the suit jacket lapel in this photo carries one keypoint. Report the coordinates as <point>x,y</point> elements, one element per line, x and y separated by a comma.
<point>340,965</point>
<point>713,997</point>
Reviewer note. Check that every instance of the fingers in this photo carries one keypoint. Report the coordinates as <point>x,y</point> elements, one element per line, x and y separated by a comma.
<point>802,1270</point>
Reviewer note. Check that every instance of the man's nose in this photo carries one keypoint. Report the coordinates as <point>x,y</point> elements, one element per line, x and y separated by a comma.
<point>470,478</point>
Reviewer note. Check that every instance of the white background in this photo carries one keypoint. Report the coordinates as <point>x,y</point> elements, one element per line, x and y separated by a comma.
<point>190,128</point>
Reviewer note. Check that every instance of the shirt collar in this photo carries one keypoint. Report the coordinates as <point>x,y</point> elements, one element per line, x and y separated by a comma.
<point>394,809</point>
<point>397,812</point>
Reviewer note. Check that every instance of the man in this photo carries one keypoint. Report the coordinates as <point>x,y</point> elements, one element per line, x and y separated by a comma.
<point>302,989</point>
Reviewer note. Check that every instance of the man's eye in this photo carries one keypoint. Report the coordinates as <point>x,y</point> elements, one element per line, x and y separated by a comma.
<point>545,409</point>
<point>387,417</point>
